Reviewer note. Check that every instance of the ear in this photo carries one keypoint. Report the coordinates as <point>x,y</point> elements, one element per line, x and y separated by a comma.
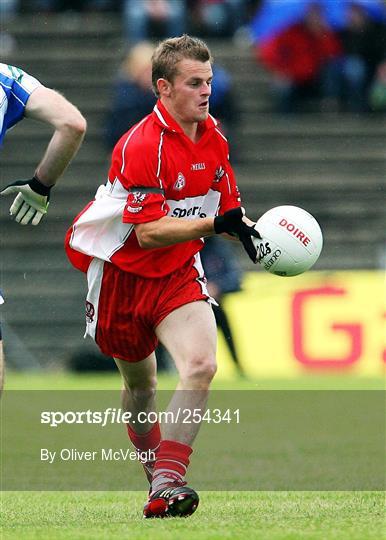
<point>164,87</point>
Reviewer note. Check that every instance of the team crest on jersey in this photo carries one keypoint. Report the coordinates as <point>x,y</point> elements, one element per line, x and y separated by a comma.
<point>135,201</point>
<point>219,174</point>
<point>180,182</point>
<point>90,312</point>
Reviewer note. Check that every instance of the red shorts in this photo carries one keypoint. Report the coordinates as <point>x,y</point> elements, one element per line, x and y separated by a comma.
<point>123,310</point>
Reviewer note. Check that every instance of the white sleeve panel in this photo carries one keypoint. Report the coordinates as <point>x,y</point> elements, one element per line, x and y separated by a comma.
<point>99,231</point>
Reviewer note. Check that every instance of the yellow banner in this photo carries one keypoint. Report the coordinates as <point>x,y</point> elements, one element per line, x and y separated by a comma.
<point>318,322</point>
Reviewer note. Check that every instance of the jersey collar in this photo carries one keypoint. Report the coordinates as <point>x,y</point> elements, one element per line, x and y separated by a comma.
<point>164,119</point>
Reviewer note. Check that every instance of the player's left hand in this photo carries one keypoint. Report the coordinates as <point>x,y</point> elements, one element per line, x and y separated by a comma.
<point>31,201</point>
<point>235,223</point>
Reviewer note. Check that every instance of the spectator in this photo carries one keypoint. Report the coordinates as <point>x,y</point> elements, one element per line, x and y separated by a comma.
<point>224,276</point>
<point>217,18</point>
<point>74,6</point>
<point>8,9</point>
<point>304,61</point>
<point>364,47</point>
<point>378,90</point>
<point>222,102</point>
<point>145,18</point>
<point>222,106</point>
<point>133,97</point>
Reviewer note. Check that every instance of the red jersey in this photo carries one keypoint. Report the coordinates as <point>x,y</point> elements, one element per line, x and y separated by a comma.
<point>156,171</point>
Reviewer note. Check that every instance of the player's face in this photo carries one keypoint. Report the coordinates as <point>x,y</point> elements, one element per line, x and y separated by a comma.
<point>190,91</point>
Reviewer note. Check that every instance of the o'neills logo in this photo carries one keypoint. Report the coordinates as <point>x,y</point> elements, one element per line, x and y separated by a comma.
<point>197,166</point>
<point>274,257</point>
<point>293,229</point>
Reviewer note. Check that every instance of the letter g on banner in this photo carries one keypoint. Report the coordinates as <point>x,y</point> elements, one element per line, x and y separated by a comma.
<point>299,331</point>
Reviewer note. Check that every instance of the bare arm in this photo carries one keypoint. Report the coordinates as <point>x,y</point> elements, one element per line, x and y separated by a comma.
<point>32,195</point>
<point>51,108</point>
<point>168,231</point>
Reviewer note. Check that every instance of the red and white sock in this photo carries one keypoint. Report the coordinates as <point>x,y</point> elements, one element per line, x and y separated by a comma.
<point>146,442</point>
<point>171,464</point>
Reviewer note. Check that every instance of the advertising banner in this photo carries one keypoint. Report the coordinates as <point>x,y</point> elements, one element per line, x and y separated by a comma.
<point>318,322</point>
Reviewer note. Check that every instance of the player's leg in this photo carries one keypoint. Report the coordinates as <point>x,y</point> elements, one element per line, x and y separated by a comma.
<point>138,396</point>
<point>2,369</point>
<point>111,296</point>
<point>139,388</point>
<point>122,312</point>
<point>189,333</point>
<point>2,362</point>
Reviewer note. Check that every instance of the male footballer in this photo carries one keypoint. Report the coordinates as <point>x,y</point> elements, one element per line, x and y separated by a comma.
<point>21,95</point>
<point>170,185</point>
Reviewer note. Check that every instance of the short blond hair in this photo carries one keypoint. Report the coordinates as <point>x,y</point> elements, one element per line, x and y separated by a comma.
<point>171,51</point>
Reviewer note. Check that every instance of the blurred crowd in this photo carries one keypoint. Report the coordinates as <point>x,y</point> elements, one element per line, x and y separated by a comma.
<point>317,53</point>
<point>161,18</point>
<point>330,52</point>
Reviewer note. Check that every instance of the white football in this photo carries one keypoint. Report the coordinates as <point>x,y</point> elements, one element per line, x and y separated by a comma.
<point>291,240</point>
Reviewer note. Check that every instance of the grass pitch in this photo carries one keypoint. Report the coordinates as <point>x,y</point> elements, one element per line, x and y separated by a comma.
<point>233,515</point>
<point>221,515</point>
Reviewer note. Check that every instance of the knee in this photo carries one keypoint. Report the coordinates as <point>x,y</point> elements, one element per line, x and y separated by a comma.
<point>200,369</point>
<point>144,389</point>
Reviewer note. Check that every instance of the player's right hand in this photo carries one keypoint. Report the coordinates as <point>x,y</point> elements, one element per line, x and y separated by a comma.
<point>233,223</point>
<point>31,201</point>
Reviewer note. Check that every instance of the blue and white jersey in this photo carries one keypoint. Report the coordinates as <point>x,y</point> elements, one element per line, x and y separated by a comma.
<point>16,86</point>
